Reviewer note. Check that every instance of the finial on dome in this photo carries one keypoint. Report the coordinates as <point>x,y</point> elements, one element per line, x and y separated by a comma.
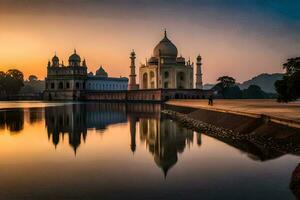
<point>132,53</point>
<point>199,58</point>
<point>75,50</point>
<point>165,32</point>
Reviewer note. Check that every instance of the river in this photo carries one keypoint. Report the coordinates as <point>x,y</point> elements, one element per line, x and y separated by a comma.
<point>126,151</point>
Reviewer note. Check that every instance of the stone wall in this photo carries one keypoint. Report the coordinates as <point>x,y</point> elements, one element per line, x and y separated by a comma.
<point>150,95</point>
<point>265,139</point>
<point>106,96</point>
<point>185,94</point>
<point>154,95</point>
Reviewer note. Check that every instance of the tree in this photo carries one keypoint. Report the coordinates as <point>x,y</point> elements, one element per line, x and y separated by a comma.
<point>226,81</point>
<point>32,78</point>
<point>227,88</point>
<point>254,92</point>
<point>292,65</point>
<point>288,88</point>
<point>2,81</point>
<point>13,81</point>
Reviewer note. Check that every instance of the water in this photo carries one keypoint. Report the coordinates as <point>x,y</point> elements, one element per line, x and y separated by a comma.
<point>118,151</point>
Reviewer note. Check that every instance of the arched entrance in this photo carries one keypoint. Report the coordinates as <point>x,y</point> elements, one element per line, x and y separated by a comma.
<point>145,81</point>
<point>60,85</point>
<point>180,77</point>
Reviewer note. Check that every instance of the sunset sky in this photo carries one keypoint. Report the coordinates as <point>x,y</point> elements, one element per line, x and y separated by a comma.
<point>240,38</point>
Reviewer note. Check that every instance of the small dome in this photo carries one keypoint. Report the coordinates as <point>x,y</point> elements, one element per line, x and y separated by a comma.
<point>74,57</point>
<point>165,48</point>
<point>101,72</point>
<point>55,59</point>
<point>180,59</point>
<point>153,60</point>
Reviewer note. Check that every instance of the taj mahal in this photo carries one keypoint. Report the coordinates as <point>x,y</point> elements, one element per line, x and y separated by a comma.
<point>164,76</point>
<point>165,69</point>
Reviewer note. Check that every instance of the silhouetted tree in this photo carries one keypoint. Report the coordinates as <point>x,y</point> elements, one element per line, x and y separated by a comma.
<point>288,88</point>
<point>32,78</point>
<point>227,88</point>
<point>2,82</point>
<point>13,81</point>
<point>292,65</point>
<point>226,81</point>
<point>254,92</point>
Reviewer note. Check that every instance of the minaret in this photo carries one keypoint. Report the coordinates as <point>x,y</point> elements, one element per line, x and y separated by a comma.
<point>132,124</point>
<point>199,83</point>
<point>132,77</point>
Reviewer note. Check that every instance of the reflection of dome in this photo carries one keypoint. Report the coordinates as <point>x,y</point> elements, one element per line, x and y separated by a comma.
<point>74,57</point>
<point>166,163</point>
<point>165,48</point>
<point>101,72</point>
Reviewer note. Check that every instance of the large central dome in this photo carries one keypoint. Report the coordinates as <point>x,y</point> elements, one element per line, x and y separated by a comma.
<point>74,57</point>
<point>165,48</point>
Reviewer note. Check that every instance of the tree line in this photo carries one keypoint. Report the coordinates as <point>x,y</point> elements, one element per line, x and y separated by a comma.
<point>226,88</point>
<point>11,82</point>
<point>288,89</point>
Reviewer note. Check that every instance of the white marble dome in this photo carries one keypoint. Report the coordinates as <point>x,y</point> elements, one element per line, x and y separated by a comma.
<point>165,48</point>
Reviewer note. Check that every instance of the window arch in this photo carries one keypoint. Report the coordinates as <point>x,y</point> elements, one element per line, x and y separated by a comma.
<point>151,74</point>
<point>166,74</point>
<point>77,85</point>
<point>60,85</point>
<point>145,81</point>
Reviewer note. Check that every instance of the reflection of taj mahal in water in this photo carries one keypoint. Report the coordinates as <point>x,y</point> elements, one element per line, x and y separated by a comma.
<point>163,138</point>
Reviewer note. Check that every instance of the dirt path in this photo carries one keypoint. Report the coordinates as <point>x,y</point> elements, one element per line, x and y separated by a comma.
<point>283,113</point>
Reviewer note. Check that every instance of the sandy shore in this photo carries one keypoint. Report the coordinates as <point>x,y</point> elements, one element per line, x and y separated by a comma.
<point>278,112</point>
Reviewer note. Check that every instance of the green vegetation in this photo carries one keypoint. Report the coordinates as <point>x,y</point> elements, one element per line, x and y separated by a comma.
<point>288,88</point>
<point>33,86</point>
<point>254,92</point>
<point>11,82</point>
<point>228,89</point>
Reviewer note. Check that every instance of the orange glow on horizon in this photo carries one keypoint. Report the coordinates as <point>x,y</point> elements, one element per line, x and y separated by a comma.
<point>108,42</point>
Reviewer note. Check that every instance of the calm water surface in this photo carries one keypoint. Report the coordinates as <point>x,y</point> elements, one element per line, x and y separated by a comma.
<point>118,151</point>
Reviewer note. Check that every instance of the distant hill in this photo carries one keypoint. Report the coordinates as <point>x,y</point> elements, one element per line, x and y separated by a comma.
<point>264,81</point>
<point>208,86</point>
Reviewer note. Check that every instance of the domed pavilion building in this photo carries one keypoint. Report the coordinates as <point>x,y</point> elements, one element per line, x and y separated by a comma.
<point>165,69</point>
<point>72,82</point>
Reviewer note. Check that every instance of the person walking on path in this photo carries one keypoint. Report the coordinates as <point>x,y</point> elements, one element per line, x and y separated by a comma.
<point>210,100</point>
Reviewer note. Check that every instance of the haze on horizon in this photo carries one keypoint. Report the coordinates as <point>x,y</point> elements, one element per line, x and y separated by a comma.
<point>240,38</point>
